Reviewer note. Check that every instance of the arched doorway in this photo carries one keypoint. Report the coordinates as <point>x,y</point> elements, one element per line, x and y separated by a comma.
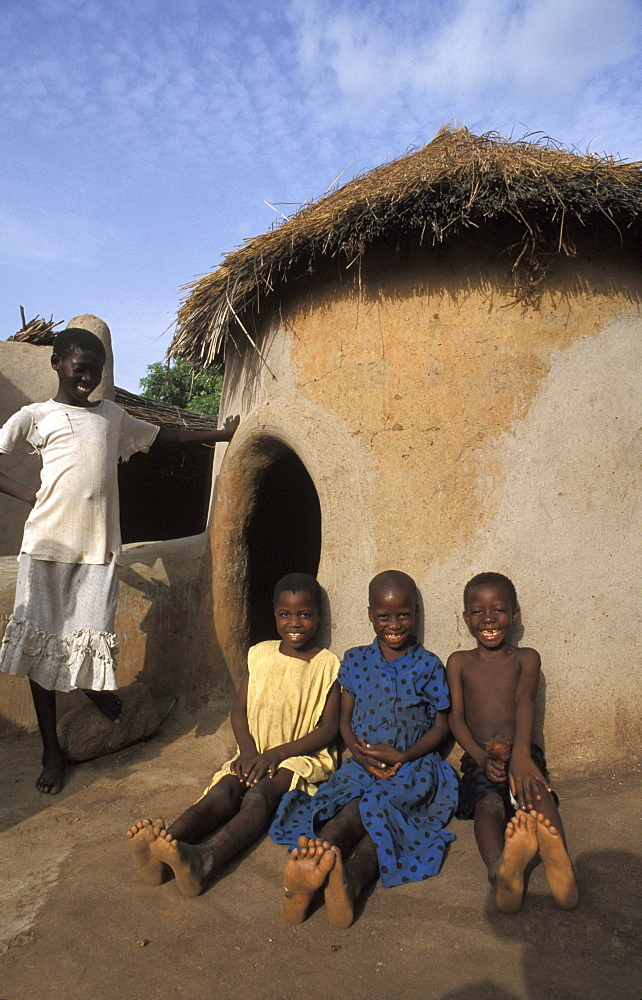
<point>283,536</point>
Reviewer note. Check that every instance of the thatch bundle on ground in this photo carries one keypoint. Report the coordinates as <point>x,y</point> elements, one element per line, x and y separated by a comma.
<point>458,180</point>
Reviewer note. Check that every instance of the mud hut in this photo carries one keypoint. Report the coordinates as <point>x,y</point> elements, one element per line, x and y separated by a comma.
<point>437,370</point>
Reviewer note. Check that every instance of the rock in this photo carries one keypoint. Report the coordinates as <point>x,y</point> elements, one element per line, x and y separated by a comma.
<point>84,732</point>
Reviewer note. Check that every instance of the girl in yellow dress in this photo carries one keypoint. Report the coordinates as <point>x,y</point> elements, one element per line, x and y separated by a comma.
<point>285,718</point>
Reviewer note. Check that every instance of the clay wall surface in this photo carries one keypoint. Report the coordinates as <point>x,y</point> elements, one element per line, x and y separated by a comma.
<point>450,430</point>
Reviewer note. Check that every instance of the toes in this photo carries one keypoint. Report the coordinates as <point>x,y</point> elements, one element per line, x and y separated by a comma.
<point>327,861</point>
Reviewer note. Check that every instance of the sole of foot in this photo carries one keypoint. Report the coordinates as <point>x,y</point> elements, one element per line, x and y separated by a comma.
<point>306,871</point>
<point>140,838</point>
<point>185,860</point>
<point>339,896</point>
<point>51,779</point>
<point>520,846</point>
<point>557,864</point>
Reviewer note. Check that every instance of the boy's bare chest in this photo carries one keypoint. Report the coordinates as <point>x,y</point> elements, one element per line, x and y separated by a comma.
<point>488,681</point>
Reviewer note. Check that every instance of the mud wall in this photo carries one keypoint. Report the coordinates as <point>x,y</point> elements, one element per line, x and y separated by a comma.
<point>450,430</point>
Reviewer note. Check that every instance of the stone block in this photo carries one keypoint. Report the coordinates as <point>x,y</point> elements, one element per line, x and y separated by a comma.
<point>84,732</point>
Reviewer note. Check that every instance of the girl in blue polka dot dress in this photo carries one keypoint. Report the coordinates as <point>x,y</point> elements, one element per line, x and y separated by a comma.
<point>384,812</point>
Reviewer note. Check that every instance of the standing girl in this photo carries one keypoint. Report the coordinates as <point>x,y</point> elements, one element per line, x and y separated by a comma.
<point>61,632</point>
<point>285,716</point>
<point>384,812</point>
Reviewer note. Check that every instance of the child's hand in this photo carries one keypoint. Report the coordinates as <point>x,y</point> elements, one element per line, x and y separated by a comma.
<point>371,762</point>
<point>495,770</point>
<point>249,770</point>
<point>526,780</point>
<point>229,427</point>
<point>381,754</point>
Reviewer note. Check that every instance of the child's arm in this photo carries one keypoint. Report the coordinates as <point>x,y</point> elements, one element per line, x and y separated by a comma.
<point>428,742</point>
<point>247,747</point>
<point>179,435</point>
<point>357,746</point>
<point>261,764</point>
<point>524,776</point>
<point>13,488</point>
<point>493,769</point>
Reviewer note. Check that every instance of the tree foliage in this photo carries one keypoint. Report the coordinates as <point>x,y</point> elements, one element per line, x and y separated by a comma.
<point>183,384</point>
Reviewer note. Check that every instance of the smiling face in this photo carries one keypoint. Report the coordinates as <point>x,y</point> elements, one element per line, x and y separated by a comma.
<point>490,614</point>
<point>392,613</point>
<point>78,375</point>
<point>297,619</point>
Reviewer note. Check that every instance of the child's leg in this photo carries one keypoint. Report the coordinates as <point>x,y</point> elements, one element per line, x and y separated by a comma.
<point>52,776</point>
<point>505,848</point>
<point>195,865</point>
<point>319,861</point>
<point>220,804</point>
<point>490,830</point>
<point>347,881</point>
<point>553,852</point>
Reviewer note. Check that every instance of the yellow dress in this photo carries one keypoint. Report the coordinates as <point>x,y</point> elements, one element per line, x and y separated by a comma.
<point>285,700</point>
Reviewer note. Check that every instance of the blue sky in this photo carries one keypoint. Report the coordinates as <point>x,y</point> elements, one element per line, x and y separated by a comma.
<point>140,138</point>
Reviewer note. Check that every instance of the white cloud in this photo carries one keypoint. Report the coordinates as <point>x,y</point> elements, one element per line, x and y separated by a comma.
<point>535,61</point>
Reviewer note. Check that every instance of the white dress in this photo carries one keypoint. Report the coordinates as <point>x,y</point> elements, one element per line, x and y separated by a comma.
<point>61,632</point>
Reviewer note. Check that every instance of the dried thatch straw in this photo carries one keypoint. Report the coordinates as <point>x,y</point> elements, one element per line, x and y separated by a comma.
<point>457,180</point>
<point>155,412</point>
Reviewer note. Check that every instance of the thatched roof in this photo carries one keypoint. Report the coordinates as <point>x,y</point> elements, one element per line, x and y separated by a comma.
<point>164,414</point>
<point>458,180</point>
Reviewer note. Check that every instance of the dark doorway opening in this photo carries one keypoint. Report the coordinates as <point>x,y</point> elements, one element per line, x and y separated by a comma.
<point>165,493</point>
<point>284,536</point>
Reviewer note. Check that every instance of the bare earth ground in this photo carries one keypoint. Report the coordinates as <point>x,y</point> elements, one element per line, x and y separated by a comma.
<point>77,923</point>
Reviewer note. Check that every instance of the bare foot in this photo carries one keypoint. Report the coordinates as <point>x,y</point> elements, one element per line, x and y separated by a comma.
<point>141,836</point>
<point>192,865</point>
<point>108,703</point>
<point>52,777</point>
<point>306,871</point>
<point>557,864</point>
<point>520,845</point>
<point>340,894</point>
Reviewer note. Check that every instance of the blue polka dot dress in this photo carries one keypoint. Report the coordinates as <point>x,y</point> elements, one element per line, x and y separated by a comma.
<point>394,704</point>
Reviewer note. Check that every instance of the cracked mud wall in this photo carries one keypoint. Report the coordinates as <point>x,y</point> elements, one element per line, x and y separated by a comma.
<point>479,434</point>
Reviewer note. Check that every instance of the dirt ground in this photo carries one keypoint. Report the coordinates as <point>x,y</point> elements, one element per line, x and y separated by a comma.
<point>77,923</point>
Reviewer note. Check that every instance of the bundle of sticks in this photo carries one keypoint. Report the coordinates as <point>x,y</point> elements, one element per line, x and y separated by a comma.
<point>36,330</point>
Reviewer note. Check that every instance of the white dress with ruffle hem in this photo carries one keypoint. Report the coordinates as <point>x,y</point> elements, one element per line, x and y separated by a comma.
<point>61,632</point>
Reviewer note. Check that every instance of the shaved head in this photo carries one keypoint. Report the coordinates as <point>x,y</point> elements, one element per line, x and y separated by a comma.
<point>392,581</point>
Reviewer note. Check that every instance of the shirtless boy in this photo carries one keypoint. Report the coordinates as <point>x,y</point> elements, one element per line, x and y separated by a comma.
<point>493,689</point>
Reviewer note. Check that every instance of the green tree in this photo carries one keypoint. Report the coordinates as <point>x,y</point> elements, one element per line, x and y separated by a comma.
<point>183,384</point>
